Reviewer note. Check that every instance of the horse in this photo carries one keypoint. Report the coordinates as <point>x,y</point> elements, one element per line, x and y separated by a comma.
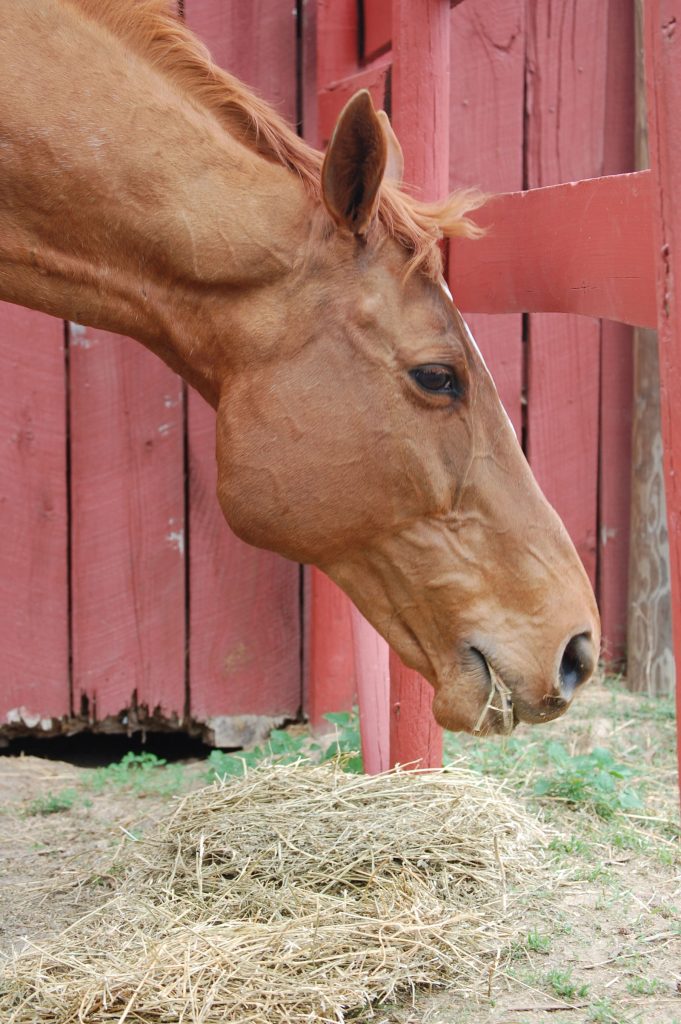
<point>147,192</point>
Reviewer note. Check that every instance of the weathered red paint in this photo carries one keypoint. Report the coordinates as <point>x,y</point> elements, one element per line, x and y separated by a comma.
<point>662,27</point>
<point>583,247</point>
<point>331,682</point>
<point>127,534</point>
<point>34,627</point>
<point>244,626</point>
<point>487,116</point>
<point>420,91</point>
<point>617,361</point>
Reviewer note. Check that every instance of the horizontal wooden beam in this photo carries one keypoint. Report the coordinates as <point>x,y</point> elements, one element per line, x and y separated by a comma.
<point>583,247</point>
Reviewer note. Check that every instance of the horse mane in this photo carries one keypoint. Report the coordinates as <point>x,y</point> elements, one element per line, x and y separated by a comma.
<point>156,33</point>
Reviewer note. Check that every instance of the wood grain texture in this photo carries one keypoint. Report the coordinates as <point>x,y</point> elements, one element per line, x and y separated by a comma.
<point>372,669</point>
<point>566,87</point>
<point>616,361</point>
<point>34,629</point>
<point>663,77</point>
<point>331,681</point>
<point>583,247</point>
<point>244,626</point>
<point>337,40</point>
<point>254,41</point>
<point>377,27</point>
<point>127,534</point>
<point>650,654</point>
<point>486,151</point>
<point>420,115</point>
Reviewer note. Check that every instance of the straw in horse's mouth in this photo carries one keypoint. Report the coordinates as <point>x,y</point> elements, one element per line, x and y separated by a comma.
<point>498,692</point>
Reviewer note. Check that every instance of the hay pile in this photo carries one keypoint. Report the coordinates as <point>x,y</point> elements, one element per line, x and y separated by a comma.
<point>296,894</point>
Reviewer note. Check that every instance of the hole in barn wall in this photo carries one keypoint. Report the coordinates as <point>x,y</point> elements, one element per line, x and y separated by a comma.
<point>92,750</point>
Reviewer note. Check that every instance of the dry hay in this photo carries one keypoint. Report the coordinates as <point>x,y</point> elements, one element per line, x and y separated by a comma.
<point>296,894</point>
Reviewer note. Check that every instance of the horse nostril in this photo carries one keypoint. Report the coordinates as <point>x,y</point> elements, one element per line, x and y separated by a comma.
<point>577,664</point>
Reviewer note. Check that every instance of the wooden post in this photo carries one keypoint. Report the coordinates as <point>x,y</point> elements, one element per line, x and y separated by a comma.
<point>650,657</point>
<point>616,390</point>
<point>331,664</point>
<point>420,108</point>
<point>662,35</point>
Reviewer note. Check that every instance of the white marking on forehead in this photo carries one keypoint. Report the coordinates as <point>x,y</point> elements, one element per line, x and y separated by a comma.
<point>476,347</point>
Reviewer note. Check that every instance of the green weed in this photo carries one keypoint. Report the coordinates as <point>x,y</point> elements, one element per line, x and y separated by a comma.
<point>537,942</point>
<point>562,984</point>
<point>645,986</point>
<point>593,780</point>
<point>53,803</point>
<point>286,748</point>
<point>143,773</point>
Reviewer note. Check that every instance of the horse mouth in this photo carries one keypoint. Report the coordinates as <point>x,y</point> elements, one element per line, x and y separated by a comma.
<point>504,709</point>
<point>498,714</point>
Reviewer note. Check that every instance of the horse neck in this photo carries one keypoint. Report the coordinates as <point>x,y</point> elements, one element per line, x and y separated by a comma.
<point>126,207</point>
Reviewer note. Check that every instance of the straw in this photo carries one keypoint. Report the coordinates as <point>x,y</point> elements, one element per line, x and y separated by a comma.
<point>293,895</point>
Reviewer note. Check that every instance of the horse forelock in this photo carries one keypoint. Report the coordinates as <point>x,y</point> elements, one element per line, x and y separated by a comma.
<point>154,32</point>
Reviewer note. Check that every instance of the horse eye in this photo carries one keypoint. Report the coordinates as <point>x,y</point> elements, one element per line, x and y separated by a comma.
<point>440,380</point>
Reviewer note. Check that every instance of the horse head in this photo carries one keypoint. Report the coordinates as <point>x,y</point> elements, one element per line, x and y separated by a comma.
<point>362,432</point>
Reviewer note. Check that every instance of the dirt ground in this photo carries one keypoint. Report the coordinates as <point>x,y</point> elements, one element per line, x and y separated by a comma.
<point>607,950</point>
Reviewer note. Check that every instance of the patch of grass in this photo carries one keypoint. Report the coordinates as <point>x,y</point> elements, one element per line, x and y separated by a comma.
<point>53,803</point>
<point>602,1011</point>
<point>142,773</point>
<point>537,942</point>
<point>645,986</point>
<point>562,983</point>
<point>570,845</point>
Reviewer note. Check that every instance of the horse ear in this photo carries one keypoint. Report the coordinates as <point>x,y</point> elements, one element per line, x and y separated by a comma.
<point>354,165</point>
<point>394,170</point>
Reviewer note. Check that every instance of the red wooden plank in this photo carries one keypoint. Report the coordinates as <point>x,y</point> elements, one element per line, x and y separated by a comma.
<point>583,247</point>
<point>486,151</point>
<point>377,25</point>
<point>663,79</point>
<point>127,538</point>
<point>337,40</point>
<point>333,99</point>
<point>34,626</point>
<point>256,42</point>
<point>567,57</point>
<point>244,655</point>
<point>420,114</point>
<point>617,377</point>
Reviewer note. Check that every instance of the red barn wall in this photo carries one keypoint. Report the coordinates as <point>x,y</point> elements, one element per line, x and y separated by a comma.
<point>124,598</point>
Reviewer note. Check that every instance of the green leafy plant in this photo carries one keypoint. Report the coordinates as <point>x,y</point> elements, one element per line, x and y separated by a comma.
<point>537,942</point>
<point>593,780</point>
<point>563,985</point>
<point>143,773</point>
<point>53,803</point>
<point>285,748</point>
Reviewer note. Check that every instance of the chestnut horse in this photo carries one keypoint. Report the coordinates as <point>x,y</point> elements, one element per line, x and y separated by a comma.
<point>145,191</point>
